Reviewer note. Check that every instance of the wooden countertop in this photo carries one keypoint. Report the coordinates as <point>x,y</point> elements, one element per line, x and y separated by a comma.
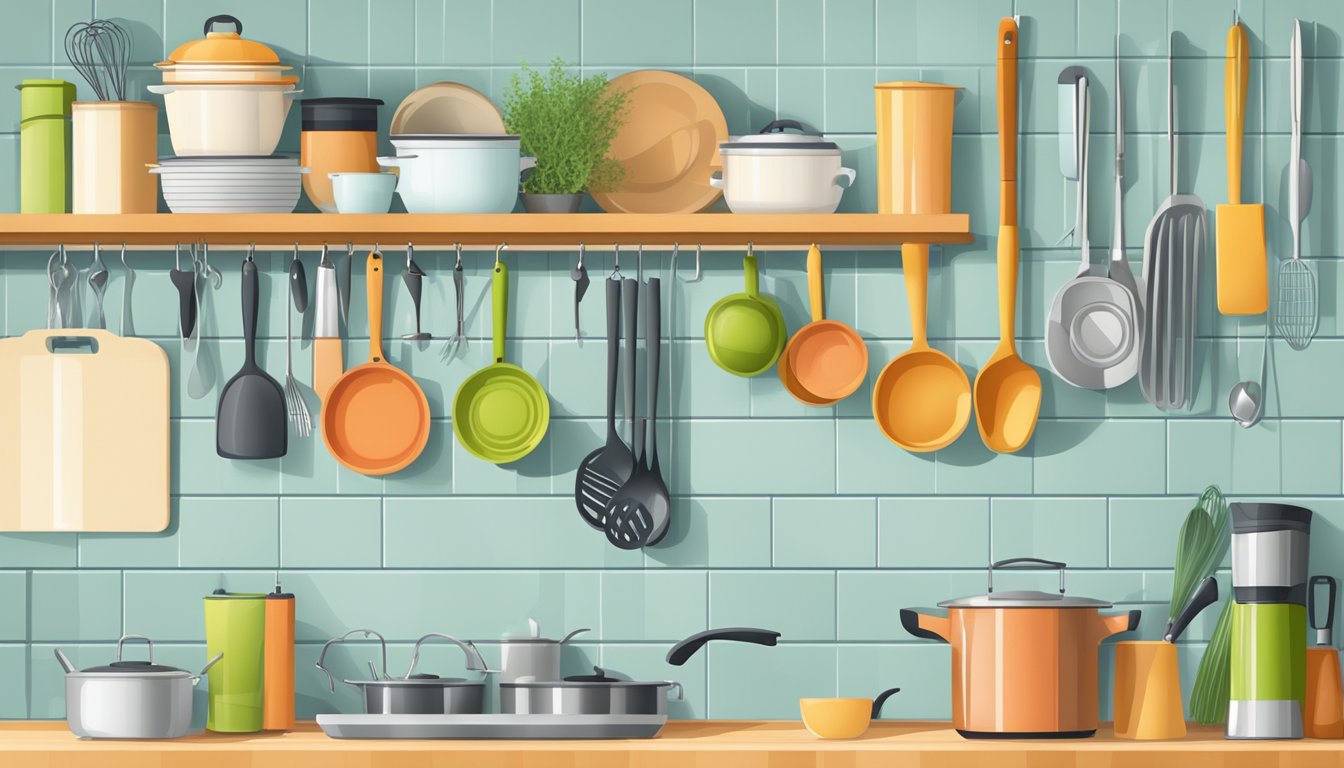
<point>702,744</point>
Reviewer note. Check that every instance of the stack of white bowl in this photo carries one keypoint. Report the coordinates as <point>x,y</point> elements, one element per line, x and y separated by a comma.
<point>227,99</point>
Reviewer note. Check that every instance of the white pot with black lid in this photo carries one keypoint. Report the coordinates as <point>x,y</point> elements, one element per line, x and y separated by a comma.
<point>783,169</point>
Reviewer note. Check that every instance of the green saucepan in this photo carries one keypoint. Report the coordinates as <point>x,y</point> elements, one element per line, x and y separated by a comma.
<point>745,332</point>
<point>500,413</point>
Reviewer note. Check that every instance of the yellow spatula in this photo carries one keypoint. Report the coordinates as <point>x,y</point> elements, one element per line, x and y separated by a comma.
<point>1243,272</point>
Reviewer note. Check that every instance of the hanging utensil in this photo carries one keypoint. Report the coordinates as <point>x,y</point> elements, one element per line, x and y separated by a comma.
<point>98,282</point>
<point>100,51</point>
<point>128,284</point>
<point>1173,248</point>
<point>1243,274</point>
<point>1007,394</point>
<point>413,276</point>
<point>1246,401</point>
<point>827,358</point>
<point>745,332</point>
<point>54,276</point>
<point>298,282</point>
<point>1206,594</point>
<point>1119,269</point>
<point>343,267</point>
<point>185,283</point>
<point>202,376</point>
<point>1297,314</point>
<point>328,362</point>
<point>251,421</point>
<point>375,419</point>
<point>65,276</point>
<point>638,515</point>
<point>294,404</point>
<point>580,277</point>
<point>602,472</point>
<point>458,341</point>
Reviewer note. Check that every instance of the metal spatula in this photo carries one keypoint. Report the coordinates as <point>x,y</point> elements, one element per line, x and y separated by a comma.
<point>1297,314</point>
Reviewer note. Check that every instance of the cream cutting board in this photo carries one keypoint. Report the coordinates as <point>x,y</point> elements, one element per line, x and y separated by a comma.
<point>84,433</point>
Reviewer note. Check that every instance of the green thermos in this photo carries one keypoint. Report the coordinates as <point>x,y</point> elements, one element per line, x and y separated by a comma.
<point>235,625</point>
<point>44,145</point>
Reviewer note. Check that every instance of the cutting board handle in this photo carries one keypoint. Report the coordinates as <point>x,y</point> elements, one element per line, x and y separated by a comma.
<point>72,345</point>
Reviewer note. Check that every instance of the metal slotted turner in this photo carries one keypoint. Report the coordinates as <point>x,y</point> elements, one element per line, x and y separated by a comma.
<point>1297,315</point>
<point>1173,248</point>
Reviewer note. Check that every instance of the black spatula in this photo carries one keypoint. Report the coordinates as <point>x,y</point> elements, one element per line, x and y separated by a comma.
<point>251,422</point>
<point>602,472</point>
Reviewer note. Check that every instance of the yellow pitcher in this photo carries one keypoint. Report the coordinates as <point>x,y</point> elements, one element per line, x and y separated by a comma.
<point>914,147</point>
<point>1148,691</point>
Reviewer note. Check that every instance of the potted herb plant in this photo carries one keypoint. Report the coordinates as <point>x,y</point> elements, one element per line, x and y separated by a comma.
<point>567,122</point>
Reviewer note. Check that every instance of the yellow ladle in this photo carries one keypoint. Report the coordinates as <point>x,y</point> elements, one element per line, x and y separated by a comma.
<point>922,400</point>
<point>1007,390</point>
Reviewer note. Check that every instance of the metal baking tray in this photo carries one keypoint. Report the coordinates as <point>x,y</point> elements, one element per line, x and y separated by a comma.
<point>491,726</point>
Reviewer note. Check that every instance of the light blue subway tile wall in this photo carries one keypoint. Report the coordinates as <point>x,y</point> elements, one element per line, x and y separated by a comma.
<point>803,520</point>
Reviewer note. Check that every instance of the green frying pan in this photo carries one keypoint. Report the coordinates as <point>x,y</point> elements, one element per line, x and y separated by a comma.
<point>745,332</point>
<point>501,412</point>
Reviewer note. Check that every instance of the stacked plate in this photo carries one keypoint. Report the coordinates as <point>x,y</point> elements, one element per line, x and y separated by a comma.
<point>230,184</point>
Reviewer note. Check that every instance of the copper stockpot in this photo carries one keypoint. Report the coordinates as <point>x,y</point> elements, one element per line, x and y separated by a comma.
<point>1024,663</point>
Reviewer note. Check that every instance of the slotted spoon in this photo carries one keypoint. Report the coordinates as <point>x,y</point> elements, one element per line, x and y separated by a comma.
<point>602,472</point>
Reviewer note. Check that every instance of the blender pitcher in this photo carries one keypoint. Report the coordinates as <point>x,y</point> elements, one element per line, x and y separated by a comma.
<point>235,625</point>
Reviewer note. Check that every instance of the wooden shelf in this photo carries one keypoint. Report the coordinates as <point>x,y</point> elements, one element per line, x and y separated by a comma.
<point>704,744</point>
<point>593,229</point>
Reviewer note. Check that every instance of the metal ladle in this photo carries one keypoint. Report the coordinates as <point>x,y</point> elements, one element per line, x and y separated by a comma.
<point>1246,401</point>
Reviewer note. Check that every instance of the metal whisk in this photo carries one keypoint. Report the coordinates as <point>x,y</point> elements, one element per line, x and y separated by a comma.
<point>100,50</point>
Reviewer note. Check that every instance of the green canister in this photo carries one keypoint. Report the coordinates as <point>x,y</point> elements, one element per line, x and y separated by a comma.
<point>44,145</point>
<point>235,625</point>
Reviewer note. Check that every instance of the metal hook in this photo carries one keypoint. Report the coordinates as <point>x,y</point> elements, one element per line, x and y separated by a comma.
<point>251,250</point>
<point>639,265</point>
<point>581,252</point>
<point>499,248</point>
<point>123,258</point>
<point>296,253</point>
<point>457,249</point>
<point>616,272</point>
<point>698,274</point>
<point>212,274</point>
<point>97,256</point>
<point>177,256</point>
<point>751,250</point>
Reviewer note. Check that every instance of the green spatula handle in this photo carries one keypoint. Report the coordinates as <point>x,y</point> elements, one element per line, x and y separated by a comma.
<point>753,279</point>
<point>499,308</point>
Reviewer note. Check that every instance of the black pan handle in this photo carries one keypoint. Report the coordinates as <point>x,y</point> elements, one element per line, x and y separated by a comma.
<point>298,285</point>
<point>910,621</point>
<point>227,19</point>
<point>1331,588</point>
<point>882,699</point>
<point>683,651</point>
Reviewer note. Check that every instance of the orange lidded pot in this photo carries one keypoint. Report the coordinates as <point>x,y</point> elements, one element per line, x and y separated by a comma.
<point>340,135</point>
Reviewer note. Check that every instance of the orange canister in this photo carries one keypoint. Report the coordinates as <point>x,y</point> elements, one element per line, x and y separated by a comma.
<point>278,666</point>
<point>340,135</point>
<point>914,147</point>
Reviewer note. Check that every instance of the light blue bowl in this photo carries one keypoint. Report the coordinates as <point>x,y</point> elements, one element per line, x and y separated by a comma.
<point>363,192</point>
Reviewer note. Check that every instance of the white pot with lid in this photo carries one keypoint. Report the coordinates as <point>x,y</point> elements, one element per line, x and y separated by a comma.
<point>225,95</point>
<point>458,173</point>
<point>778,172</point>
<point>129,699</point>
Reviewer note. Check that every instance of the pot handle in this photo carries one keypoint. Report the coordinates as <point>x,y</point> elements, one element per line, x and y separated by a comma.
<point>882,699</point>
<point>925,625</point>
<point>683,651</point>
<point>1121,622</point>
<point>126,637</point>
<point>160,90</point>
<point>778,126</point>
<point>395,162</point>
<point>65,662</point>
<point>1028,562</point>
<point>331,679</point>
<point>847,174</point>
<point>673,684</point>
<point>716,180</point>
<point>571,635</point>
<point>289,95</point>
<point>196,678</point>
<point>475,662</point>
<point>227,19</point>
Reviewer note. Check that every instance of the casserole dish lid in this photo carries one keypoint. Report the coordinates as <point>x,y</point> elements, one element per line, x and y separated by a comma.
<point>773,137</point>
<point>222,47</point>
<point>1025,598</point>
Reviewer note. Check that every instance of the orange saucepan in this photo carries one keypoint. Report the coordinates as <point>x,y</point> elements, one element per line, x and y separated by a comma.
<point>1024,663</point>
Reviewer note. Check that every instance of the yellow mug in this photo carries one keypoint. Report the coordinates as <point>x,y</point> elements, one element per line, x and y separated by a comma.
<point>1148,691</point>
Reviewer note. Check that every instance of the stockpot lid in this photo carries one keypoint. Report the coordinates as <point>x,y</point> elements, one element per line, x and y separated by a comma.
<point>1025,598</point>
<point>222,47</point>
<point>773,137</point>
<point>137,667</point>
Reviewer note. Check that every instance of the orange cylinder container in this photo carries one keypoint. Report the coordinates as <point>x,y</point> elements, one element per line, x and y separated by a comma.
<point>278,665</point>
<point>1148,691</point>
<point>1324,717</point>
<point>325,152</point>
<point>914,147</point>
<point>114,142</point>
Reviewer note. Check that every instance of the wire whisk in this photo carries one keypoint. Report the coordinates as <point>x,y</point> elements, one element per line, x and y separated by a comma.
<point>100,50</point>
<point>1297,315</point>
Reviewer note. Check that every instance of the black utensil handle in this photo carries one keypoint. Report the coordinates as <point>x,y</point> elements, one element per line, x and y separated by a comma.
<point>1331,588</point>
<point>882,699</point>
<point>224,17</point>
<point>1205,594</point>
<point>653,340</point>
<point>613,350</point>
<point>414,285</point>
<point>250,301</point>
<point>910,621</point>
<point>298,285</point>
<point>630,301</point>
<point>684,650</point>
<point>186,300</point>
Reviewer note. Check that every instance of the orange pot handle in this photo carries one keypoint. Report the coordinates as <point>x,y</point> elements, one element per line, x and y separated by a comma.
<point>1124,622</point>
<point>926,626</point>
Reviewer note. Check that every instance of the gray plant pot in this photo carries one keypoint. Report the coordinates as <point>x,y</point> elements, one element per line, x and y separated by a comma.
<point>538,203</point>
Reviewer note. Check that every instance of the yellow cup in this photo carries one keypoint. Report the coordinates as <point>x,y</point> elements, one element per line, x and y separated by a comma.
<point>1148,691</point>
<point>914,147</point>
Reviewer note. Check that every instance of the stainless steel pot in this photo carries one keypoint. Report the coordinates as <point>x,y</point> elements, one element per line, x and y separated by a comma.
<point>415,693</point>
<point>596,694</point>
<point>129,699</point>
<point>532,659</point>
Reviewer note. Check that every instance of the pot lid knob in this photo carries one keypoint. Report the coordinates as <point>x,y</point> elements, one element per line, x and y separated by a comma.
<point>223,47</point>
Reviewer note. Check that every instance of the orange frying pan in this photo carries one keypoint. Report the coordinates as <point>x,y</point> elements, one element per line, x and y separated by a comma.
<point>826,358</point>
<point>375,419</point>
